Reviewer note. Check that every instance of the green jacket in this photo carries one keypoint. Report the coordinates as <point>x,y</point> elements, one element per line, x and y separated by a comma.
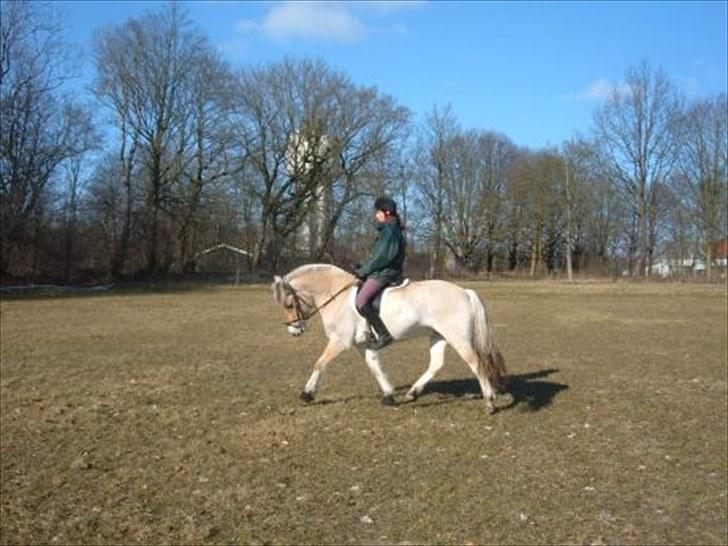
<point>386,259</point>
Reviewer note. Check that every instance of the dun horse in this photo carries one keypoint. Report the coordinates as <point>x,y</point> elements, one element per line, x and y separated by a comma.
<point>445,312</point>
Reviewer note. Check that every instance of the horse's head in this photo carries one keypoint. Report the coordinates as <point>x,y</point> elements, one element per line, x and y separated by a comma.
<point>297,307</point>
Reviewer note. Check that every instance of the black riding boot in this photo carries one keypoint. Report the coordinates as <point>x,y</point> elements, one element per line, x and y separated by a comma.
<point>383,338</point>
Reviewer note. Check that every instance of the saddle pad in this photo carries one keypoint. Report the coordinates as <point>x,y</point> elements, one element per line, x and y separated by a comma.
<point>404,283</point>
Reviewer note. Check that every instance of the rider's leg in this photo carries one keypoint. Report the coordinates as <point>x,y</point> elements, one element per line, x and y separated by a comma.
<point>368,292</point>
<point>384,338</point>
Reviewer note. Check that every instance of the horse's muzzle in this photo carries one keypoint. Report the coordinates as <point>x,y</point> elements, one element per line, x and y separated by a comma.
<point>297,328</point>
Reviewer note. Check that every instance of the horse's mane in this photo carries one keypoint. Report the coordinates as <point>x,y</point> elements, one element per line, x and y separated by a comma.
<point>312,268</point>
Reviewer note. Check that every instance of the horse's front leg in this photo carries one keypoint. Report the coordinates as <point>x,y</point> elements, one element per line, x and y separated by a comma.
<point>372,359</point>
<point>332,350</point>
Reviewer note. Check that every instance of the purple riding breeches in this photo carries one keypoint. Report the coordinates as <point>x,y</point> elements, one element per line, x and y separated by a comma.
<point>368,291</point>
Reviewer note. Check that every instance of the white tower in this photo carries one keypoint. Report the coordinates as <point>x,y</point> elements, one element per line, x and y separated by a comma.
<point>300,160</point>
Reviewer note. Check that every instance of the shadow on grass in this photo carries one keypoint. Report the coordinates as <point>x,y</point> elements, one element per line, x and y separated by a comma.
<point>330,401</point>
<point>526,390</point>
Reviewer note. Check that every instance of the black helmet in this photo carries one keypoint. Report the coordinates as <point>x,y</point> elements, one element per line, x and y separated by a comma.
<point>385,204</point>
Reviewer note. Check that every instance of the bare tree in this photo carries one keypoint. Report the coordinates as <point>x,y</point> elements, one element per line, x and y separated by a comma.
<point>144,72</point>
<point>71,208</point>
<point>114,204</point>
<point>462,182</point>
<point>637,128</point>
<point>579,162</point>
<point>569,207</point>
<point>366,131</point>
<point>545,210</point>
<point>115,185</point>
<point>39,128</point>
<point>704,170</point>
<point>497,155</point>
<point>517,208</point>
<point>463,232</point>
<point>210,158</point>
<point>312,140</point>
<point>278,117</point>
<point>434,150</point>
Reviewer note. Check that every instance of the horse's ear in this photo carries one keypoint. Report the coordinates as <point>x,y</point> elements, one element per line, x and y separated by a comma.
<point>277,288</point>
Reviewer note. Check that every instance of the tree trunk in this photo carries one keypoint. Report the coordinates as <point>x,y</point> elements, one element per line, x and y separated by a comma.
<point>513,255</point>
<point>536,252</point>
<point>644,228</point>
<point>567,188</point>
<point>436,257</point>
<point>153,204</point>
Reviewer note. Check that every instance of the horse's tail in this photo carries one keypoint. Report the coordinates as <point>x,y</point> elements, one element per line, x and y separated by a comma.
<point>490,359</point>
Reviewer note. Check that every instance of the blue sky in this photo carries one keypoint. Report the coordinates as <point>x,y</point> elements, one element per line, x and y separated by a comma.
<point>532,70</point>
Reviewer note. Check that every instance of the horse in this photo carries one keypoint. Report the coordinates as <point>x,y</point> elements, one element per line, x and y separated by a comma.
<point>442,310</point>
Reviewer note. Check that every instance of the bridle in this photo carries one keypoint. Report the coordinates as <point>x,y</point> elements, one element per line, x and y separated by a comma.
<point>297,299</point>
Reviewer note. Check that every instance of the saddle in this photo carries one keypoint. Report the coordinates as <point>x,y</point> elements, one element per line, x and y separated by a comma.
<point>377,300</point>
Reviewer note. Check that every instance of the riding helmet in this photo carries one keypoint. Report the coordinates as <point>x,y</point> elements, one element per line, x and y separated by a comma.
<point>385,204</point>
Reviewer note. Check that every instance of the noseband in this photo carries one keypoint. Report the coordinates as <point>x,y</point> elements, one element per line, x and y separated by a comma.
<point>300,315</point>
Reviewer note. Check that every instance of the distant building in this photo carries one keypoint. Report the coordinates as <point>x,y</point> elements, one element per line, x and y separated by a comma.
<point>299,162</point>
<point>665,267</point>
<point>720,253</point>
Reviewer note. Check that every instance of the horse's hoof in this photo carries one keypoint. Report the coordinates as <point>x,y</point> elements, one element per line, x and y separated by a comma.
<point>490,408</point>
<point>306,397</point>
<point>410,397</point>
<point>388,400</point>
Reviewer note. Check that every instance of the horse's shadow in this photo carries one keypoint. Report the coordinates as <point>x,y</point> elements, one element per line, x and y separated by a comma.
<point>524,389</point>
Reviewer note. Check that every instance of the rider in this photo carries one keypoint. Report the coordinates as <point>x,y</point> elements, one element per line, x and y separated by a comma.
<point>383,267</point>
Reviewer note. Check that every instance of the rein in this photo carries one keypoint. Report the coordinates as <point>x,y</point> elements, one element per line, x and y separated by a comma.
<point>301,316</point>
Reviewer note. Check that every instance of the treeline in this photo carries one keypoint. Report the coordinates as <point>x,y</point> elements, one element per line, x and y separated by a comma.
<point>181,151</point>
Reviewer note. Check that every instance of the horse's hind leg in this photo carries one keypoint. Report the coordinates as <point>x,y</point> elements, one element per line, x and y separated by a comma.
<point>372,360</point>
<point>468,354</point>
<point>332,351</point>
<point>437,359</point>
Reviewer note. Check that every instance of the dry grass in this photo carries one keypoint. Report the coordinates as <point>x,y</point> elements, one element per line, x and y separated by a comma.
<point>173,418</point>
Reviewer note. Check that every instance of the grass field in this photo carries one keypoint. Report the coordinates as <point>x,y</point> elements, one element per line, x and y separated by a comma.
<point>172,417</point>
